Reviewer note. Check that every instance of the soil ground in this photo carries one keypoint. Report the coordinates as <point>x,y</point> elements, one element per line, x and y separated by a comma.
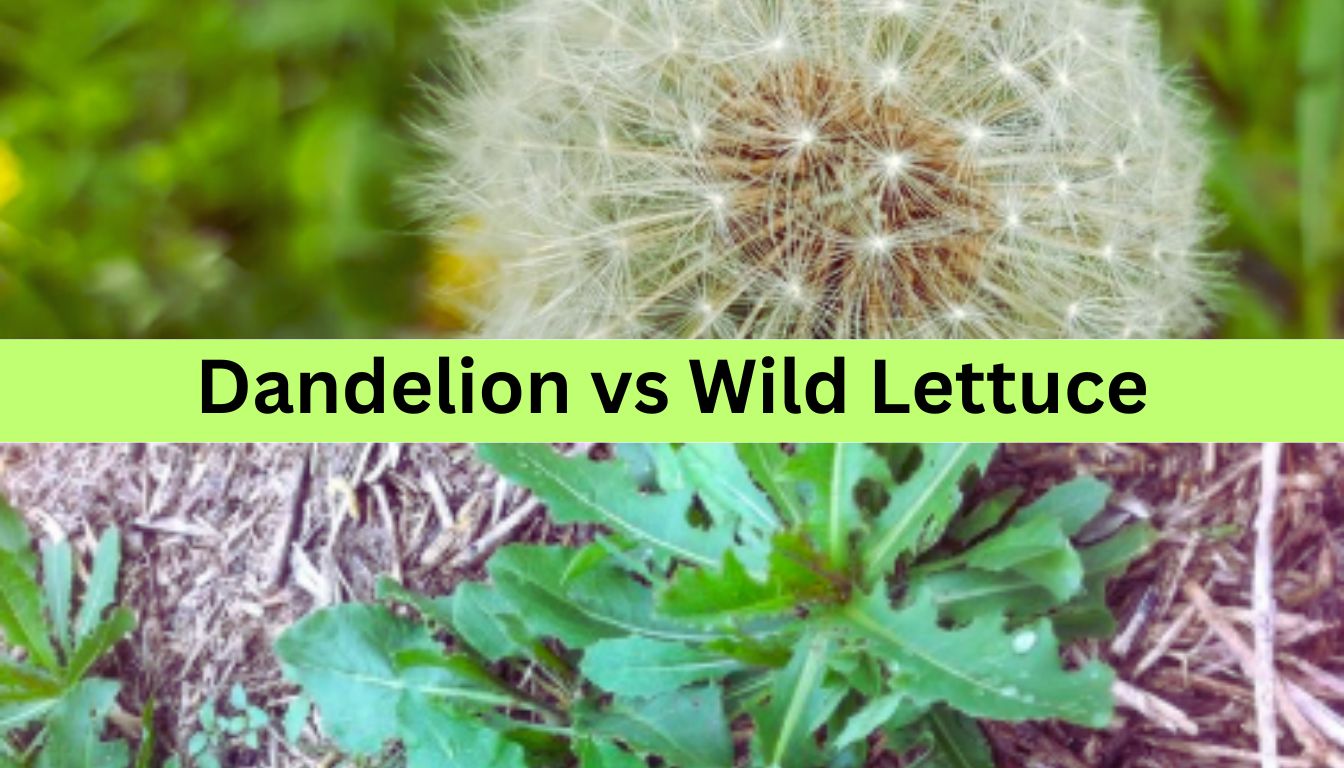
<point>225,545</point>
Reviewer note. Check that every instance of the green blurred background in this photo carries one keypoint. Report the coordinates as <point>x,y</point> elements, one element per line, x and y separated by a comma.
<point>230,167</point>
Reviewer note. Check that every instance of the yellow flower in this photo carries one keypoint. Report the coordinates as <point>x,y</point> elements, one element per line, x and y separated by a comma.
<point>11,179</point>
<point>458,273</point>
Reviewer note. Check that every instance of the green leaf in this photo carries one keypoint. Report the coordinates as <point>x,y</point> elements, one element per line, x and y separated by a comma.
<point>919,509</point>
<point>719,477</point>
<point>1073,504</point>
<point>687,729</point>
<point>767,463</point>
<point>965,594</point>
<point>75,726</point>
<point>101,590</point>
<point>980,669</point>
<point>798,704</point>
<point>58,584</point>
<point>438,736</point>
<point>345,659</point>
<point>14,537</point>
<point>256,717</point>
<point>1113,556</point>
<point>709,595</point>
<point>1038,549</point>
<point>638,666</point>
<point>893,710</point>
<point>950,740</point>
<point>296,718</point>
<point>20,681</point>
<point>144,753</point>
<point>602,602</point>
<point>237,697</point>
<point>207,716</point>
<point>21,612</point>
<point>487,622</point>
<point>437,611</point>
<point>832,472</point>
<point>985,517</point>
<point>652,465</point>
<point>578,490</point>
<point>98,642</point>
<point>798,575</point>
<point>459,666</point>
<point>20,714</point>
<point>594,753</point>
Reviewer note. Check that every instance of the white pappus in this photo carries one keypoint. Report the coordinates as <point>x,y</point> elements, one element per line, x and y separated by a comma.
<point>823,168</point>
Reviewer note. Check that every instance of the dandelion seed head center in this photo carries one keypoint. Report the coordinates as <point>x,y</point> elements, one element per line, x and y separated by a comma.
<point>852,166</point>
<point>868,168</point>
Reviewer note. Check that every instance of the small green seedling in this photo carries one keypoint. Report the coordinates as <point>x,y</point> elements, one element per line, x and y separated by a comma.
<point>740,606</point>
<point>52,714</point>
<point>222,728</point>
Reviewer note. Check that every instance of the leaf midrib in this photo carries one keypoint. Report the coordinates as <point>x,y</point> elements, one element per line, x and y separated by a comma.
<point>898,530</point>
<point>587,501</point>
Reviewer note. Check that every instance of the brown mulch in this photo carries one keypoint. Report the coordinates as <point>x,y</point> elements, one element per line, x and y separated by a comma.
<point>220,558</point>
<point>1185,611</point>
<point>226,545</point>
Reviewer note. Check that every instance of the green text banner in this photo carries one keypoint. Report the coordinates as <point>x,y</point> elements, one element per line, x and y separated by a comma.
<point>692,391</point>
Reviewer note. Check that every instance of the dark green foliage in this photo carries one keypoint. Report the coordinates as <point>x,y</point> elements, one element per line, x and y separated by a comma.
<point>1273,73</point>
<point>52,715</point>
<point>213,167</point>
<point>236,722</point>
<point>818,594</point>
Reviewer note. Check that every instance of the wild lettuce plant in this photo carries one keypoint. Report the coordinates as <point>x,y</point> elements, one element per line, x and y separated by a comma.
<point>52,714</point>
<point>737,605</point>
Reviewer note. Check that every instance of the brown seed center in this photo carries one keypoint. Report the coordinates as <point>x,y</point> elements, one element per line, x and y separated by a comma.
<point>872,211</point>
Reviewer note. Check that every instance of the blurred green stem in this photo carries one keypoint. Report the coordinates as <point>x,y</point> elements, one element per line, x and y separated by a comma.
<point>1320,102</point>
<point>1319,308</point>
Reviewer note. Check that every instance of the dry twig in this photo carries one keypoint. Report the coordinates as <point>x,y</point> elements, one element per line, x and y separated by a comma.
<point>1265,676</point>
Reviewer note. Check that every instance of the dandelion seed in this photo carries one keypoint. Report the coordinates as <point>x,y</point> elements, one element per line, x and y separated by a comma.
<point>894,164</point>
<point>814,177</point>
<point>879,245</point>
<point>975,134</point>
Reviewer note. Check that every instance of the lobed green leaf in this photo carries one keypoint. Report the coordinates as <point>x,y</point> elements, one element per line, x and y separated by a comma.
<point>639,666</point>
<point>981,669</point>
<point>577,490</point>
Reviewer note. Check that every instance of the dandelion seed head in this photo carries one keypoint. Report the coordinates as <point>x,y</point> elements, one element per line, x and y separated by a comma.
<point>855,168</point>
